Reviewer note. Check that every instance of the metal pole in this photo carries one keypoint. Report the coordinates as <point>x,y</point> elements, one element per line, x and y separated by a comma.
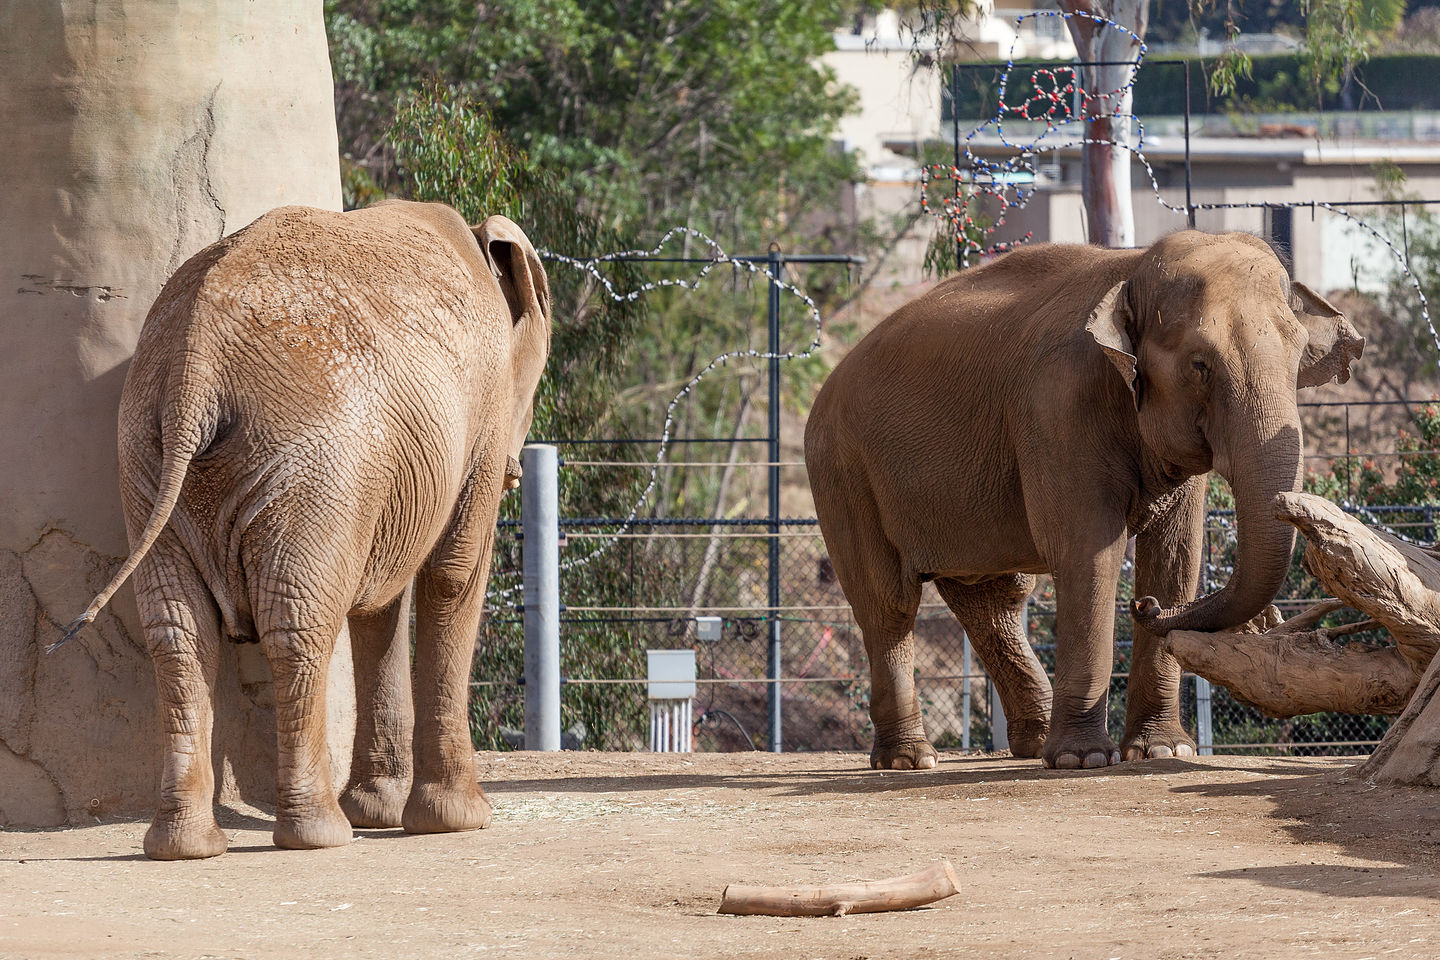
<point>540,517</point>
<point>1189,205</point>
<point>955,130</point>
<point>775,739</point>
<point>1204,719</point>
<point>965,705</point>
<point>1204,711</point>
<point>999,729</point>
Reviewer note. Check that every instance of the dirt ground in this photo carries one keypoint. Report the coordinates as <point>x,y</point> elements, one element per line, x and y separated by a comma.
<point>625,855</point>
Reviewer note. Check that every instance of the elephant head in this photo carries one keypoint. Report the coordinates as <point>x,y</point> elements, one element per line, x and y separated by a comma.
<point>526,288</point>
<point>1213,339</point>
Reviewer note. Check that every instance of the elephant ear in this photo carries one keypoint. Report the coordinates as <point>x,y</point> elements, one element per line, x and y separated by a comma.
<point>516,266</point>
<point>1107,324</point>
<point>1333,343</point>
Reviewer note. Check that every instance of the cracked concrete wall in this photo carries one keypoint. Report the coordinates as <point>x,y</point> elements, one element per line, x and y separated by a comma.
<point>133,135</point>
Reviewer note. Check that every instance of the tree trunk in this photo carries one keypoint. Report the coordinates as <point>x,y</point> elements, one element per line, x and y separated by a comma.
<point>1295,667</point>
<point>1106,108</point>
<point>133,135</point>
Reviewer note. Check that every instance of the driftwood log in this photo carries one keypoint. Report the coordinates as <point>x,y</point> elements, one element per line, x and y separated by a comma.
<point>901,893</point>
<point>1292,667</point>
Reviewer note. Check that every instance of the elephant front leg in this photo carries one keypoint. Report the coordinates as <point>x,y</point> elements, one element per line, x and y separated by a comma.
<point>182,632</point>
<point>1084,656</point>
<point>1167,567</point>
<point>380,765</point>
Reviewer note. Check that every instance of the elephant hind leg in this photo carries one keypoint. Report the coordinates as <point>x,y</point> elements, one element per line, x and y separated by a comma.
<point>449,599</point>
<point>298,637</point>
<point>993,614</point>
<point>885,600</point>
<point>182,632</point>
<point>380,765</point>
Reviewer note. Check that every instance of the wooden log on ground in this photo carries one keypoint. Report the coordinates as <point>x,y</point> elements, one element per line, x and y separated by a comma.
<point>901,893</point>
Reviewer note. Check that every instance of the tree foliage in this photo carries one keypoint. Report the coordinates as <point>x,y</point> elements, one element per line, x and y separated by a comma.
<point>714,111</point>
<point>1335,35</point>
<point>597,126</point>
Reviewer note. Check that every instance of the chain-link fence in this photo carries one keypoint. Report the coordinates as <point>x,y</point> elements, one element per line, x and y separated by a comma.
<point>658,575</point>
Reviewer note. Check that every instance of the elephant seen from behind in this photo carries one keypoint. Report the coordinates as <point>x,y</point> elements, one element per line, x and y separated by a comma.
<point>322,409</point>
<point>1031,415</point>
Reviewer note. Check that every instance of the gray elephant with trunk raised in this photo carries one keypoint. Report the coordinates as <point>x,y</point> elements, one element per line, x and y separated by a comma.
<point>1029,416</point>
<point>323,408</point>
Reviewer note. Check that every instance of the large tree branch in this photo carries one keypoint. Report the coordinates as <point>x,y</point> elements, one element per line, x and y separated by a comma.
<point>1295,667</point>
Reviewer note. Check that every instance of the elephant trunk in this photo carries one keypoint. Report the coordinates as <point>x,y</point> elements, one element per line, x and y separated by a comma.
<point>1260,463</point>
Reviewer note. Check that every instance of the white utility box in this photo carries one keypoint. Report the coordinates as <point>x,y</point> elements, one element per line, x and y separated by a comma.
<point>671,678</point>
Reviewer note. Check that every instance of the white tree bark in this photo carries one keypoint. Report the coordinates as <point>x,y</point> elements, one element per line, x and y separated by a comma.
<point>133,135</point>
<point>1110,216</point>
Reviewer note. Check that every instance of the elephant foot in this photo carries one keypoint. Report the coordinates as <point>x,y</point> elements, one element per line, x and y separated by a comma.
<point>172,839</point>
<point>1168,740</point>
<point>312,828</point>
<point>1079,749</point>
<point>915,754</point>
<point>375,801</point>
<point>446,808</point>
<point>1027,737</point>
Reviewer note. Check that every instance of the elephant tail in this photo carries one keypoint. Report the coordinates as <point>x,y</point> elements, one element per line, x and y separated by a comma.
<point>188,428</point>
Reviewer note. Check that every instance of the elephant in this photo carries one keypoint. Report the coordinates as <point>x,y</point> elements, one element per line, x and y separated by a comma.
<point>1030,416</point>
<point>322,414</point>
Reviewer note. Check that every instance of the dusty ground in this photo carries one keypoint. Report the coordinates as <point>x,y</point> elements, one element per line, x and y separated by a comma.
<point>616,855</point>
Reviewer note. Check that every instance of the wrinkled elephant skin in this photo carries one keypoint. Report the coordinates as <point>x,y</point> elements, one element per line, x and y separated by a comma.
<point>323,409</point>
<point>1031,415</point>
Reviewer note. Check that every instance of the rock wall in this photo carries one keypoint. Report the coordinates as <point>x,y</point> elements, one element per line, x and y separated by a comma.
<point>133,134</point>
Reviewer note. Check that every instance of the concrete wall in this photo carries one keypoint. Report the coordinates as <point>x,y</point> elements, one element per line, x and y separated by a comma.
<point>133,134</point>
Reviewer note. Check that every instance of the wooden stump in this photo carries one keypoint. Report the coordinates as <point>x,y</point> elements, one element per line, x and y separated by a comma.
<point>1294,667</point>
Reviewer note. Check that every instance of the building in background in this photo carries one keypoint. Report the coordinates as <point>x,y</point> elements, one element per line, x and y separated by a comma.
<point>1297,157</point>
<point>899,80</point>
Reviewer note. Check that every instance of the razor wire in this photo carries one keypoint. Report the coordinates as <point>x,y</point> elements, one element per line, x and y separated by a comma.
<point>718,256</point>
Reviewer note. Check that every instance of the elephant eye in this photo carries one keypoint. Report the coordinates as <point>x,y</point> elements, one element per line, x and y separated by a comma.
<point>1200,368</point>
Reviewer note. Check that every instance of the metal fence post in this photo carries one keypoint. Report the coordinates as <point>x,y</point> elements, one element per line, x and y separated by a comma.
<point>540,520</point>
<point>1189,203</point>
<point>1204,725</point>
<point>955,131</point>
<point>999,729</point>
<point>964,689</point>
<point>775,739</point>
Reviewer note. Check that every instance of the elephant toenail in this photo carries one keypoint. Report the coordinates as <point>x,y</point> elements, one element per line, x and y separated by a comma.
<point>1096,758</point>
<point>1067,761</point>
<point>1160,752</point>
<point>927,763</point>
<point>901,763</point>
<point>1134,753</point>
<point>1184,750</point>
<point>1114,757</point>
